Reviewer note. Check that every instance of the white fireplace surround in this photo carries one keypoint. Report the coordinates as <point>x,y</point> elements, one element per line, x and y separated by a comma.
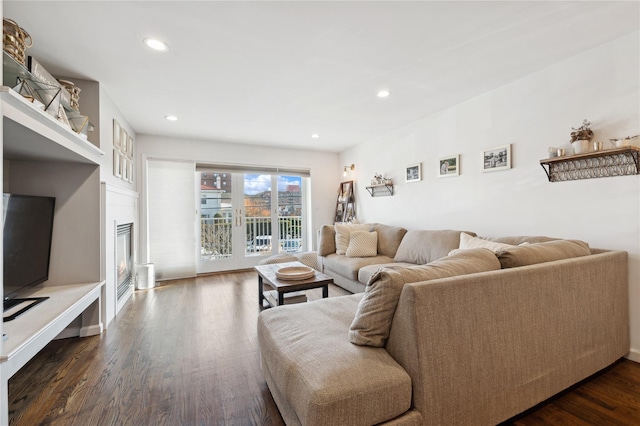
<point>120,206</point>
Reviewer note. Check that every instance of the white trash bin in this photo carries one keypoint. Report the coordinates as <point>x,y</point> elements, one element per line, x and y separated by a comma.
<point>146,276</point>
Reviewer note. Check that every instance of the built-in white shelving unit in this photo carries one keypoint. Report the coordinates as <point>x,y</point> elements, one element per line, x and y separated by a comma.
<point>43,157</point>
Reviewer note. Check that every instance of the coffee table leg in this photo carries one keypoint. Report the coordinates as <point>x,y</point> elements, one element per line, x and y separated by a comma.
<point>280,298</point>
<point>325,291</point>
<point>260,290</point>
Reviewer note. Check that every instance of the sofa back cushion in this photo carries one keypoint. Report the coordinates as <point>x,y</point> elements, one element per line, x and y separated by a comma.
<point>531,254</point>
<point>326,240</point>
<point>343,232</point>
<point>375,312</point>
<point>389,238</point>
<point>421,247</point>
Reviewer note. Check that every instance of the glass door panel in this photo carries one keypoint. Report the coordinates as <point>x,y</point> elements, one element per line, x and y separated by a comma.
<point>290,214</point>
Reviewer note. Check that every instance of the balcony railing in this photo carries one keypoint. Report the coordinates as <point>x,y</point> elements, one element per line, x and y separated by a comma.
<point>216,236</point>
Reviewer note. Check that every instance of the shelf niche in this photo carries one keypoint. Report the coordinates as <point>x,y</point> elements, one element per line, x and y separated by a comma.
<point>597,164</point>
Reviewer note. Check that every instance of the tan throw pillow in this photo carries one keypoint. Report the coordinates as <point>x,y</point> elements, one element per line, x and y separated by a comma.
<point>363,244</point>
<point>376,309</point>
<point>343,230</point>
<point>531,254</point>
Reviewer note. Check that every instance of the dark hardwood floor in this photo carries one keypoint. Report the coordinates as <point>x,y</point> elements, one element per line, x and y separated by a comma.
<point>186,353</point>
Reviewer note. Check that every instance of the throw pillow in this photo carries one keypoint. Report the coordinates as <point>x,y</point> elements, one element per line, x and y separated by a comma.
<point>376,309</point>
<point>468,242</point>
<point>363,244</point>
<point>531,254</point>
<point>343,230</point>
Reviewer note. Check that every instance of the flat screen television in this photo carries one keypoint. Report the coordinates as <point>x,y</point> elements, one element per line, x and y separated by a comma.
<point>27,228</point>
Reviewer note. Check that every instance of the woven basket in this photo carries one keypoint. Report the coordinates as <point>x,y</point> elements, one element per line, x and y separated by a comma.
<point>74,91</point>
<point>15,40</point>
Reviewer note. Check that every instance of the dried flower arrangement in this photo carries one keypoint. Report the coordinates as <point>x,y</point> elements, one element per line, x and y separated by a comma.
<point>582,133</point>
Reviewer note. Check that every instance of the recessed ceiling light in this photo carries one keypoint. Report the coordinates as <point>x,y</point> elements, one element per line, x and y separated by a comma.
<point>156,44</point>
<point>315,136</point>
<point>171,117</point>
<point>383,93</point>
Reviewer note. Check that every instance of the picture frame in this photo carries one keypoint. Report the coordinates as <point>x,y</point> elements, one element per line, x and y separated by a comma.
<point>496,158</point>
<point>413,173</point>
<point>449,166</point>
<point>124,139</point>
<point>130,171</point>
<point>116,134</point>
<point>130,147</point>
<point>117,165</point>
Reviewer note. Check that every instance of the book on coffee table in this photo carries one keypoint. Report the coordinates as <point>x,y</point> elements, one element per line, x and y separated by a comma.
<point>289,298</point>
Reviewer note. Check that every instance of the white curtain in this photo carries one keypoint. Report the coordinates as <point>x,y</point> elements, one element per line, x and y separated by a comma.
<point>171,218</point>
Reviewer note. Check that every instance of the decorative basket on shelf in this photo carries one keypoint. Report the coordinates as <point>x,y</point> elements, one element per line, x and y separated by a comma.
<point>16,40</point>
<point>74,91</point>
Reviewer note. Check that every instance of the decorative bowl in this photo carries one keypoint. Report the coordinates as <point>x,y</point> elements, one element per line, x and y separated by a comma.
<point>295,273</point>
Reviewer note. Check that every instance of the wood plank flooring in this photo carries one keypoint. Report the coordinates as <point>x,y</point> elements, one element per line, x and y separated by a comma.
<point>186,353</point>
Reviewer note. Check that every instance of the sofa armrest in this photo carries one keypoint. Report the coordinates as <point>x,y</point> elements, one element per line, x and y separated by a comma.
<point>326,240</point>
<point>482,348</point>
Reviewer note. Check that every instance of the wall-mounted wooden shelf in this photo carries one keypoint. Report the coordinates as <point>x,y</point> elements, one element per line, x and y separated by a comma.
<point>612,162</point>
<point>380,190</point>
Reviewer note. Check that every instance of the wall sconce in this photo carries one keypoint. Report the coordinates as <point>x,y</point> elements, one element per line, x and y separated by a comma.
<point>345,172</point>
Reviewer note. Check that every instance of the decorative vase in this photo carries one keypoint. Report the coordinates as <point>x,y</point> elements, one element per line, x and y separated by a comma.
<point>580,146</point>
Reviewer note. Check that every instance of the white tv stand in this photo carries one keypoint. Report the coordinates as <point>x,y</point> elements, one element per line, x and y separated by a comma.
<point>43,157</point>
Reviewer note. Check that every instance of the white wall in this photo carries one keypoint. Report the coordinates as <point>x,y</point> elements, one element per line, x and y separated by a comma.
<point>532,113</point>
<point>324,168</point>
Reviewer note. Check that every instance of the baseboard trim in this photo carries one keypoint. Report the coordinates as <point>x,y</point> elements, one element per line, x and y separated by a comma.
<point>68,332</point>
<point>634,355</point>
<point>91,330</point>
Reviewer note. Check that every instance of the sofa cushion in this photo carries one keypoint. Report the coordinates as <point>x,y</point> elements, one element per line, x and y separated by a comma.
<point>348,267</point>
<point>363,244</point>
<point>517,240</point>
<point>531,254</point>
<point>372,322</point>
<point>343,231</point>
<point>389,238</point>
<point>326,240</point>
<point>421,247</point>
<point>366,272</point>
<point>324,378</point>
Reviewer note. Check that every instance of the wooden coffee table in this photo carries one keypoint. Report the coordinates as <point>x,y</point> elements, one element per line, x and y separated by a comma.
<point>267,273</point>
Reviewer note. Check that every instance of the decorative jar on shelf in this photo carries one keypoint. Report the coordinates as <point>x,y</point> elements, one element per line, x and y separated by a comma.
<point>580,146</point>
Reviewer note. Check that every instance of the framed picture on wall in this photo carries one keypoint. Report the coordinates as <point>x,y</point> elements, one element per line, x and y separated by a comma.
<point>116,134</point>
<point>130,147</point>
<point>117,165</point>
<point>413,173</point>
<point>449,166</point>
<point>497,158</point>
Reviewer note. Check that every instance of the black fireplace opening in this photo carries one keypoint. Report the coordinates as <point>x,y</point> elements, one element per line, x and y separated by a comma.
<point>124,258</point>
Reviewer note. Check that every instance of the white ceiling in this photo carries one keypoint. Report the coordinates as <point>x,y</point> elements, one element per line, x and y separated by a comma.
<point>273,73</point>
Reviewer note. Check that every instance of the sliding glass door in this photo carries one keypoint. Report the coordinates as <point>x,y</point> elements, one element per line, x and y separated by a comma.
<point>243,220</point>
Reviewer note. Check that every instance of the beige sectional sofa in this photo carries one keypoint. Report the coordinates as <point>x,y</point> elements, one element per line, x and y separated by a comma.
<point>395,246</point>
<point>473,338</point>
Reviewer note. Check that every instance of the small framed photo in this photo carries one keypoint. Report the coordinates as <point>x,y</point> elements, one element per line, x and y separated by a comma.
<point>117,163</point>
<point>130,170</point>
<point>130,147</point>
<point>116,135</point>
<point>498,158</point>
<point>413,173</point>
<point>125,168</point>
<point>124,139</point>
<point>449,166</point>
